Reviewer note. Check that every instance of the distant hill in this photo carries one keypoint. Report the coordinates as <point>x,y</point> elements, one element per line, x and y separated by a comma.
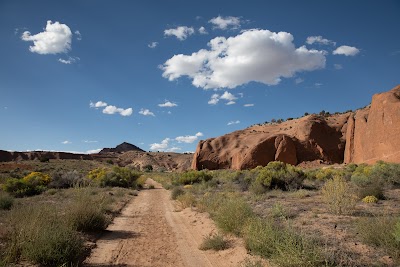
<point>124,147</point>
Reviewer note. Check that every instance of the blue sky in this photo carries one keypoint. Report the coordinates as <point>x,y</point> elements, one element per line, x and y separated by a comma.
<point>83,75</point>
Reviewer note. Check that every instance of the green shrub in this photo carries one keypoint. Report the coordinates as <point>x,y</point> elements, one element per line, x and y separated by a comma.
<point>6,201</point>
<point>368,182</point>
<point>41,236</point>
<point>191,177</point>
<point>214,242</point>
<point>187,200</point>
<point>382,232</point>
<point>232,215</point>
<point>37,179</point>
<point>176,192</point>
<point>279,175</point>
<point>87,212</point>
<point>283,245</point>
<point>21,188</point>
<point>338,195</point>
<point>148,168</point>
<point>118,176</point>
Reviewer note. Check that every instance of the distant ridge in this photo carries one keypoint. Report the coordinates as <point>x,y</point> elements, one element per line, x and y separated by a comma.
<point>124,147</point>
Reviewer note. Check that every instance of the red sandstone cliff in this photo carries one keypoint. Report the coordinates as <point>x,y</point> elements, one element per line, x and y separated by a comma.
<point>368,135</point>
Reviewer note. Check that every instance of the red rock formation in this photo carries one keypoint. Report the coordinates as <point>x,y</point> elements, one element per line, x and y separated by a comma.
<point>37,155</point>
<point>374,132</point>
<point>306,139</point>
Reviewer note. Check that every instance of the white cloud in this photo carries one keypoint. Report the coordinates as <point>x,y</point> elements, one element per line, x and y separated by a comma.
<point>93,151</point>
<point>113,110</point>
<point>338,66</point>
<point>318,85</point>
<point>90,141</point>
<point>319,40</point>
<point>346,50</point>
<point>214,99</point>
<point>248,105</point>
<point>230,98</point>
<point>160,146</point>
<point>109,109</point>
<point>98,104</point>
<point>56,38</point>
<point>224,23</point>
<point>66,142</point>
<point>181,32</point>
<point>299,80</point>
<point>173,149</point>
<point>153,44</point>
<point>253,55</point>
<point>146,112</point>
<point>188,138</point>
<point>167,104</point>
<point>70,60</point>
<point>78,35</point>
<point>233,122</point>
<point>202,30</point>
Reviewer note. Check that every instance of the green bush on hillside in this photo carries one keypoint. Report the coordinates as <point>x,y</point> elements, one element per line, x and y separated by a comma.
<point>191,177</point>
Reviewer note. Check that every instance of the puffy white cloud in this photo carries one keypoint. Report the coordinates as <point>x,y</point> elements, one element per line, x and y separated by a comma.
<point>160,146</point>
<point>146,112</point>
<point>153,44</point>
<point>299,80</point>
<point>98,104</point>
<point>66,142</point>
<point>55,39</point>
<point>318,85</point>
<point>346,50</point>
<point>113,110</point>
<point>248,105</point>
<point>188,138</point>
<point>202,30</point>
<point>181,32</point>
<point>233,122</point>
<point>338,66</point>
<point>319,40</point>
<point>70,60</point>
<point>168,104</point>
<point>230,98</point>
<point>224,23</point>
<point>109,109</point>
<point>214,99</point>
<point>253,55</point>
<point>78,35</point>
<point>173,149</point>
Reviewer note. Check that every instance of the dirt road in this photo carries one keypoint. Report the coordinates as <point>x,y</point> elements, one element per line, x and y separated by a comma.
<point>152,232</point>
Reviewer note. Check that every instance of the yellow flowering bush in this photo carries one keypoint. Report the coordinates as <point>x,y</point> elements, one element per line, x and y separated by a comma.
<point>37,179</point>
<point>97,174</point>
<point>370,199</point>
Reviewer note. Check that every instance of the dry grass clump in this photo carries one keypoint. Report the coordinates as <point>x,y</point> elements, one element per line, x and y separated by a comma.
<point>186,200</point>
<point>214,242</point>
<point>6,201</point>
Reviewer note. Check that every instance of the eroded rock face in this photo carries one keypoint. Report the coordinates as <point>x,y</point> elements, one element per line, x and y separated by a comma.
<point>366,136</point>
<point>374,132</point>
<point>306,139</point>
<point>6,156</point>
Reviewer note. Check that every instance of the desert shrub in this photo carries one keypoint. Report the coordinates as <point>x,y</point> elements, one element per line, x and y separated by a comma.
<point>283,245</point>
<point>6,201</point>
<point>148,168</point>
<point>109,161</point>
<point>68,179</point>
<point>141,181</point>
<point>381,231</point>
<point>232,214</point>
<point>118,176</point>
<point>187,200</point>
<point>388,172</point>
<point>176,192</point>
<point>40,235</point>
<point>37,179</point>
<point>87,212</point>
<point>370,199</point>
<point>280,175</point>
<point>210,202</point>
<point>339,197</point>
<point>214,242</point>
<point>191,177</point>
<point>368,182</point>
<point>20,188</point>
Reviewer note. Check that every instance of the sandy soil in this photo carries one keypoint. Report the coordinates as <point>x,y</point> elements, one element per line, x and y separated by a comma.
<point>152,231</point>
